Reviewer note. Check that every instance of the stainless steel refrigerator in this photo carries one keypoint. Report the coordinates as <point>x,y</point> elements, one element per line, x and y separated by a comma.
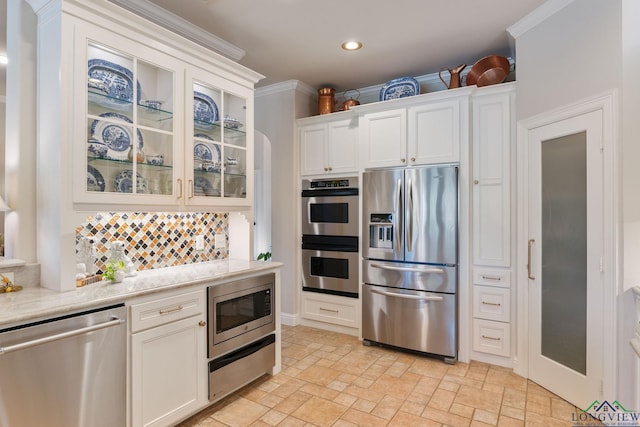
<point>410,259</point>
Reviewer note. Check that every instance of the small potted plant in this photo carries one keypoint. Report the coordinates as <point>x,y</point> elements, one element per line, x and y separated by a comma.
<point>264,256</point>
<point>114,271</point>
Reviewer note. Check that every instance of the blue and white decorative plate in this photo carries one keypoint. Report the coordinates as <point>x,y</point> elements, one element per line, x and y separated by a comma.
<point>116,137</point>
<point>399,88</point>
<point>95,181</point>
<point>203,151</point>
<point>123,183</point>
<point>205,111</point>
<point>116,79</point>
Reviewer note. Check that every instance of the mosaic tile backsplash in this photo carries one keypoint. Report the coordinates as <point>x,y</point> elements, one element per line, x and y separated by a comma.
<point>156,240</point>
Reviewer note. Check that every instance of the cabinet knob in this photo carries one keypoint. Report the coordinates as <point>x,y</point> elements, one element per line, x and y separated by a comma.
<point>413,159</point>
<point>326,169</point>
<point>475,181</point>
<point>403,160</point>
<point>330,168</point>
<point>202,323</point>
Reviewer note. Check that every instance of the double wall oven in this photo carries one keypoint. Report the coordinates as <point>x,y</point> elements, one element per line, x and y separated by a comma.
<point>330,226</point>
<point>241,333</point>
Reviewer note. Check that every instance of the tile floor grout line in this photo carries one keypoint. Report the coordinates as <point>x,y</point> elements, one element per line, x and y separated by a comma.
<point>397,380</point>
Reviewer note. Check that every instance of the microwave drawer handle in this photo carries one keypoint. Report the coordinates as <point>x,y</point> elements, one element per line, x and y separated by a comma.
<point>407,296</point>
<point>410,269</point>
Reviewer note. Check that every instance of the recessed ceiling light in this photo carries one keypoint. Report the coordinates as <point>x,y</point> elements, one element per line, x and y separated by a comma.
<point>351,45</point>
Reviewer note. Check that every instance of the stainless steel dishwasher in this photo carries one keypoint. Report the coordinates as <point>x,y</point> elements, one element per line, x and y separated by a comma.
<point>66,371</point>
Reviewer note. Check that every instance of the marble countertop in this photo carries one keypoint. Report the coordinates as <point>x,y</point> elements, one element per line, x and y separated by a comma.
<point>35,302</point>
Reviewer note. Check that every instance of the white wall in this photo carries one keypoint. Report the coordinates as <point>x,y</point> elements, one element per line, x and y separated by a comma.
<point>575,54</point>
<point>277,107</point>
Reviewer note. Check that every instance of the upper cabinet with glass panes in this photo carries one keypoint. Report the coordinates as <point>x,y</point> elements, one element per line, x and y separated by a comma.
<point>151,134</point>
<point>219,144</point>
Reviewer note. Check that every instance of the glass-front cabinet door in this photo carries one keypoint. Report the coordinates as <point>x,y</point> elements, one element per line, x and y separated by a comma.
<point>220,141</point>
<point>128,142</point>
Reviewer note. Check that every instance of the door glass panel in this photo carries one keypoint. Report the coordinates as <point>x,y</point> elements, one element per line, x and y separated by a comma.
<point>155,163</point>
<point>330,267</point>
<point>234,120</point>
<point>110,80</point>
<point>155,106</point>
<point>564,251</point>
<point>235,179</point>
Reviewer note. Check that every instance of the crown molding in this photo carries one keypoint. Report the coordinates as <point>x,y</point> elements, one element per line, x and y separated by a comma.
<point>537,16</point>
<point>286,86</point>
<point>176,24</point>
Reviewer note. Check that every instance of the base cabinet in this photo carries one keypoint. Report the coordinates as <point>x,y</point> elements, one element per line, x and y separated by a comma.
<point>168,359</point>
<point>331,312</point>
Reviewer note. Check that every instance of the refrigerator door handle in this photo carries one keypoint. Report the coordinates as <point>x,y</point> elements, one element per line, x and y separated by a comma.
<point>407,296</point>
<point>410,215</point>
<point>409,269</point>
<point>398,218</point>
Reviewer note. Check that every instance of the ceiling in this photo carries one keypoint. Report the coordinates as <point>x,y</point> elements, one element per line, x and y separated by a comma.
<point>300,40</point>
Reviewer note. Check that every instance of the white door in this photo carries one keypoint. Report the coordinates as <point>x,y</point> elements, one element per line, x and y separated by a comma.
<point>565,258</point>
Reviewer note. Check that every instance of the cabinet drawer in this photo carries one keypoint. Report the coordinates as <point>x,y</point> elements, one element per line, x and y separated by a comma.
<point>491,277</point>
<point>164,310</point>
<point>492,337</point>
<point>330,309</point>
<point>491,303</point>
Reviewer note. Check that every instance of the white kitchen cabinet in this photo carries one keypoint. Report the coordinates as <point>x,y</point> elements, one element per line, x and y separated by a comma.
<point>168,358</point>
<point>493,219</point>
<point>491,174</point>
<point>152,126</point>
<point>427,129</point>
<point>328,144</point>
<point>331,312</point>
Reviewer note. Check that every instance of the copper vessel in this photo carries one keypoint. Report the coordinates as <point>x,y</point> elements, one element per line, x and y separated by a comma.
<point>326,100</point>
<point>454,73</point>
<point>489,70</point>
<point>351,102</point>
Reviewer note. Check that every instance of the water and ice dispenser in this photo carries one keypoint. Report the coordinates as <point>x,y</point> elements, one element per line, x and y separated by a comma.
<point>381,230</point>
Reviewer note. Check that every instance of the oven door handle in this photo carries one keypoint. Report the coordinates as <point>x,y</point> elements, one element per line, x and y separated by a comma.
<point>409,269</point>
<point>406,296</point>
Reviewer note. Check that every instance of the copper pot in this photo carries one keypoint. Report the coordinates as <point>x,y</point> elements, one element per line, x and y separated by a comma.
<point>489,70</point>
<point>326,100</point>
<point>351,102</point>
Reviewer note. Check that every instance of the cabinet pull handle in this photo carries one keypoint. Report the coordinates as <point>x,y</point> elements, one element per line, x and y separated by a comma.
<point>491,338</point>
<point>491,303</point>
<point>171,310</point>
<point>329,310</point>
<point>485,277</point>
<point>179,181</point>
<point>191,189</point>
<point>529,266</point>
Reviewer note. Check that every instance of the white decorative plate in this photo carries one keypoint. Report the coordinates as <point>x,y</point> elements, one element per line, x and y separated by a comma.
<point>115,136</point>
<point>399,88</point>
<point>123,183</point>
<point>205,111</point>
<point>202,187</point>
<point>95,181</point>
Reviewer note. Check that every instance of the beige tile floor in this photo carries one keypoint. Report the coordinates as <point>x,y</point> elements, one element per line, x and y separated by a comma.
<point>331,379</point>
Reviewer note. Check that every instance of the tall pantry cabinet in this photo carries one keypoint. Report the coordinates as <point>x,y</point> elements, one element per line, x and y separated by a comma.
<point>132,117</point>
<point>493,222</point>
